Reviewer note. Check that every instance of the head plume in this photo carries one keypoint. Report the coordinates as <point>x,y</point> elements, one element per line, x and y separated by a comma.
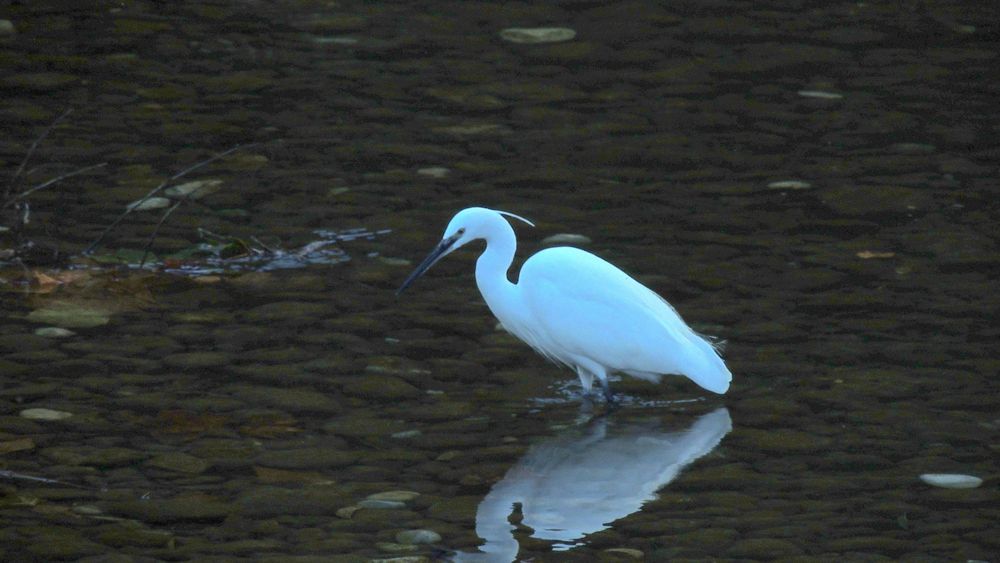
<point>518,217</point>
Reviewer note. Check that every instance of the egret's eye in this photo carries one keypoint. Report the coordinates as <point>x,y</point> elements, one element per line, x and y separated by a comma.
<point>461,231</point>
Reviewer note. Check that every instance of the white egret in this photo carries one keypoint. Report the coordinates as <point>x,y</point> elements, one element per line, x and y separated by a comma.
<point>579,310</point>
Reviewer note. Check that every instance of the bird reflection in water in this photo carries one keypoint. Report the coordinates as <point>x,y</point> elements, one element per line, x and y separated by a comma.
<point>580,481</point>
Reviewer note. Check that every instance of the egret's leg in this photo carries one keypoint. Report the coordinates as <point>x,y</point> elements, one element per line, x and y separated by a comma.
<point>586,379</point>
<point>606,387</point>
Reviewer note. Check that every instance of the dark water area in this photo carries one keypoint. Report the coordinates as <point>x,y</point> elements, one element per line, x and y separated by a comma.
<point>814,182</point>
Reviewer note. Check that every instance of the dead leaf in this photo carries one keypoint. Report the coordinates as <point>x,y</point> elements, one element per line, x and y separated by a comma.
<point>90,299</point>
<point>173,263</point>
<point>44,283</point>
<point>70,276</point>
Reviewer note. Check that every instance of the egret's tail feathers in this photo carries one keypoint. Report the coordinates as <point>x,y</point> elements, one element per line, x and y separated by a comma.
<point>717,344</point>
<point>645,375</point>
<point>717,382</point>
<point>707,368</point>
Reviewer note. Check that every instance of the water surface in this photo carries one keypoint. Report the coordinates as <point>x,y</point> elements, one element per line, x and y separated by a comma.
<point>816,183</point>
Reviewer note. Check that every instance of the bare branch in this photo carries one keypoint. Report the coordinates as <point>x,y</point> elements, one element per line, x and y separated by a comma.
<point>31,151</point>
<point>264,246</point>
<point>44,185</point>
<point>7,474</point>
<point>157,190</point>
<point>156,230</point>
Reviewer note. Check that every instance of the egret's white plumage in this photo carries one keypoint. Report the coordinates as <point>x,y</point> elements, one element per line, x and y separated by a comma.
<point>580,310</point>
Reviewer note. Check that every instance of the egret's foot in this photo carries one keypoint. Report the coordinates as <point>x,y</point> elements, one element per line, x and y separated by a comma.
<point>609,396</point>
<point>611,404</point>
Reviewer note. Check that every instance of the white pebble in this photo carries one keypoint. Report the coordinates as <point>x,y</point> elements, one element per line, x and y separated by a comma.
<point>532,35</point>
<point>820,94</point>
<point>566,238</point>
<point>389,261</point>
<point>335,40</point>
<point>195,189</point>
<point>434,172</point>
<point>789,185</point>
<point>398,496</point>
<point>951,480</point>
<point>54,332</point>
<point>413,537</point>
<point>45,414</point>
<point>87,510</point>
<point>148,204</point>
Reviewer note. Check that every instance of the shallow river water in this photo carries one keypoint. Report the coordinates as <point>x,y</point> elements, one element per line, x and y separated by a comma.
<point>814,182</point>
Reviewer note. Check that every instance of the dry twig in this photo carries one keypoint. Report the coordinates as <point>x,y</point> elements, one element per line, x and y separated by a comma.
<point>31,151</point>
<point>163,185</point>
<point>48,183</point>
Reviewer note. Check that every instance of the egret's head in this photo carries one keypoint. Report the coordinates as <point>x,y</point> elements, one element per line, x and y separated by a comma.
<point>466,226</point>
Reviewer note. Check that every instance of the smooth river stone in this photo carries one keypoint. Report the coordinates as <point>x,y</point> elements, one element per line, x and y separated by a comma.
<point>566,238</point>
<point>532,35</point>
<point>45,414</point>
<point>413,537</point>
<point>397,496</point>
<point>54,332</point>
<point>951,480</point>
<point>149,204</point>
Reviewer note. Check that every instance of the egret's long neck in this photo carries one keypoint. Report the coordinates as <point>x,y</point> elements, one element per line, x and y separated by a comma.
<point>491,271</point>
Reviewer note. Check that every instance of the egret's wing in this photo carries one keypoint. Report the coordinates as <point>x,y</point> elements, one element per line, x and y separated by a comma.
<point>580,306</point>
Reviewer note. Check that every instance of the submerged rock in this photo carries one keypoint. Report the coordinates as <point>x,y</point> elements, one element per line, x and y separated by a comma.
<point>196,360</point>
<point>263,502</point>
<point>380,388</point>
<point>400,496</point>
<point>97,457</point>
<point>456,509</point>
<point>291,400</point>
<point>56,543</point>
<point>396,547</point>
<point>121,536</point>
<point>69,315</point>
<point>626,551</point>
<point>307,458</point>
<point>179,462</point>
<point>412,537</point>
<point>763,548</point>
<point>41,81</point>
<point>194,507</point>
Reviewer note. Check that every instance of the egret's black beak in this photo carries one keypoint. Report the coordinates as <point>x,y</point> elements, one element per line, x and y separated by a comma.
<point>439,251</point>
